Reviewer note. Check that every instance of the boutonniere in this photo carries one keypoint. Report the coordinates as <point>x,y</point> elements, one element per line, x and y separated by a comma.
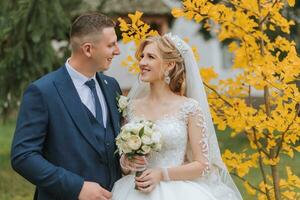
<point>123,102</point>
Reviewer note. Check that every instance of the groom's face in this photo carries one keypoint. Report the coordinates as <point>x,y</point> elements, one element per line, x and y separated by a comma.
<point>105,49</point>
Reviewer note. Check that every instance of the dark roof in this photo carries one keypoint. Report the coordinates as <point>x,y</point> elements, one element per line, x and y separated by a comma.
<point>123,7</point>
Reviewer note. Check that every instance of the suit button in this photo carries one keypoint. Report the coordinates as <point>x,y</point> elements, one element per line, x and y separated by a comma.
<point>107,144</point>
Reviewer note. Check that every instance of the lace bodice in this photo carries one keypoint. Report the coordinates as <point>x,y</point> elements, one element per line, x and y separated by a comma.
<point>174,130</point>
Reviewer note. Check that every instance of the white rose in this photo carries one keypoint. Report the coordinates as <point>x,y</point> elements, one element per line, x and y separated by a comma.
<point>127,126</point>
<point>135,128</point>
<point>146,149</point>
<point>148,131</point>
<point>123,147</point>
<point>148,123</point>
<point>134,142</point>
<point>146,139</point>
<point>124,113</point>
<point>123,102</point>
<point>126,148</point>
<point>156,136</point>
<point>125,135</point>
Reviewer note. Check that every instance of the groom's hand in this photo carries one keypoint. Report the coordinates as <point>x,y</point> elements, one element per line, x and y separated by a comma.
<point>93,191</point>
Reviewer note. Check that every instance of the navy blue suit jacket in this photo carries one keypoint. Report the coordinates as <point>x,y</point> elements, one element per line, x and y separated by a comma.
<point>53,146</point>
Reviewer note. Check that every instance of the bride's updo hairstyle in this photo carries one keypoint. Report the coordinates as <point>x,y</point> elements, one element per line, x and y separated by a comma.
<point>168,53</point>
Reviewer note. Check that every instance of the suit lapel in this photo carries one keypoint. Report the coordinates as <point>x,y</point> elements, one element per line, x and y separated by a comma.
<point>110,99</point>
<point>72,102</point>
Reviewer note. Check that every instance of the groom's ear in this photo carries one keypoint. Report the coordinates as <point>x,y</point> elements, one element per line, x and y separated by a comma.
<point>86,49</point>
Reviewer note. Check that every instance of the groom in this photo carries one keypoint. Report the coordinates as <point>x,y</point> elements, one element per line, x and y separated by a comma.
<point>68,120</point>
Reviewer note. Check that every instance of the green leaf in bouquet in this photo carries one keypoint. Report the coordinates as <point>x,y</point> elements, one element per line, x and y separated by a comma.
<point>118,96</point>
<point>116,151</point>
<point>130,155</point>
<point>141,133</point>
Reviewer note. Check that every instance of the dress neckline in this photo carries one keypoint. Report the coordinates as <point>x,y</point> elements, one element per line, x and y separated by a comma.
<point>175,115</point>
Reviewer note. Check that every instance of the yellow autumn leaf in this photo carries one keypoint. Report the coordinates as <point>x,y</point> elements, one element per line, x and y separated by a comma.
<point>189,15</point>
<point>249,189</point>
<point>233,46</point>
<point>123,25</point>
<point>271,143</point>
<point>124,63</point>
<point>135,17</point>
<point>271,161</point>
<point>198,18</point>
<point>129,58</point>
<point>208,74</point>
<point>134,68</point>
<point>271,27</point>
<point>126,38</point>
<point>297,148</point>
<point>290,195</point>
<point>188,3</point>
<point>291,3</point>
<point>177,12</point>
<point>144,29</point>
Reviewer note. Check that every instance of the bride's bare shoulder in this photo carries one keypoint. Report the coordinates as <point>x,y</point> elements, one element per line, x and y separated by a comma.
<point>180,99</point>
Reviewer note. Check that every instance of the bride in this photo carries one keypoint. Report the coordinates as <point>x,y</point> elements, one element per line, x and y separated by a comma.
<point>171,94</point>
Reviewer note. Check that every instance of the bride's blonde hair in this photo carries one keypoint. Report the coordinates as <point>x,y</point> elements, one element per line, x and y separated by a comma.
<point>169,53</point>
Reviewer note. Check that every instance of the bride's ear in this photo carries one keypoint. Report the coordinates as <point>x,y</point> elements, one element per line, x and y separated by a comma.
<point>170,66</point>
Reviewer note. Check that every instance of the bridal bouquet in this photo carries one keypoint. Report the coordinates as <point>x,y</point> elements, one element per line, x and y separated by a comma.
<point>138,138</point>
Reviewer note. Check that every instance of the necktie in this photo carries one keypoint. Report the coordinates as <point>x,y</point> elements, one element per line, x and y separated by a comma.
<point>98,109</point>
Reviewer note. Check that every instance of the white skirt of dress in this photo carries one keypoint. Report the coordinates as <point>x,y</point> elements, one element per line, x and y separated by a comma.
<point>171,190</point>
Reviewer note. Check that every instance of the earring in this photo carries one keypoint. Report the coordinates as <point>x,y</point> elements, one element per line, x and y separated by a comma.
<point>167,78</point>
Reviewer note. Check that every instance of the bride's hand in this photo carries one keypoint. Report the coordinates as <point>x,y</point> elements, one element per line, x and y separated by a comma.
<point>148,180</point>
<point>134,164</point>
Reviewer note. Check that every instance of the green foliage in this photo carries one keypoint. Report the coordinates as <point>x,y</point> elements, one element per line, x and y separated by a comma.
<point>27,28</point>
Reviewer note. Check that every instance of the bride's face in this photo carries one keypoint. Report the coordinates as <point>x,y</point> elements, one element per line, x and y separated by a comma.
<point>151,64</point>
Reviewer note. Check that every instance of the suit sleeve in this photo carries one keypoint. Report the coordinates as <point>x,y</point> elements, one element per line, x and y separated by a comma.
<point>27,150</point>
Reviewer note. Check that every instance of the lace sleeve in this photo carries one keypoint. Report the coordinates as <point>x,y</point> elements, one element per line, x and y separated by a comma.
<point>197,133</point>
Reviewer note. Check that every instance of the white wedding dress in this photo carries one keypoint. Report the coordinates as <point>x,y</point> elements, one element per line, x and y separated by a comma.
<point>173,153</point>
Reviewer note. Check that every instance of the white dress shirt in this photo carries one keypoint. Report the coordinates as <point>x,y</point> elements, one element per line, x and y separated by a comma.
<point>85,92</point>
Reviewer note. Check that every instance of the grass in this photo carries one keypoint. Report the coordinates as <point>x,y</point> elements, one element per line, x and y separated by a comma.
<point>14,187</point>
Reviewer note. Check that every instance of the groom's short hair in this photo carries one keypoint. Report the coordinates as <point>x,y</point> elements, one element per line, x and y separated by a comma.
<point>87,25</point>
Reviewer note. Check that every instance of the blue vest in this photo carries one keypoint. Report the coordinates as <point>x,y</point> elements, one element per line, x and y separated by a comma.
<point>106,140</point>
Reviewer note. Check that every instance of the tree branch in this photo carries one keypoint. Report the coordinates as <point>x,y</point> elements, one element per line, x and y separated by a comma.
<point>260,161</point>
<point>241,7</point>
<point>287,129</point>
<point>268,14</point>
<point>216,92</point>
<point>251,185</point>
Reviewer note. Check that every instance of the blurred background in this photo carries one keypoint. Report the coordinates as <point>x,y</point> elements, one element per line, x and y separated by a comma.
<point>34,41</point>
